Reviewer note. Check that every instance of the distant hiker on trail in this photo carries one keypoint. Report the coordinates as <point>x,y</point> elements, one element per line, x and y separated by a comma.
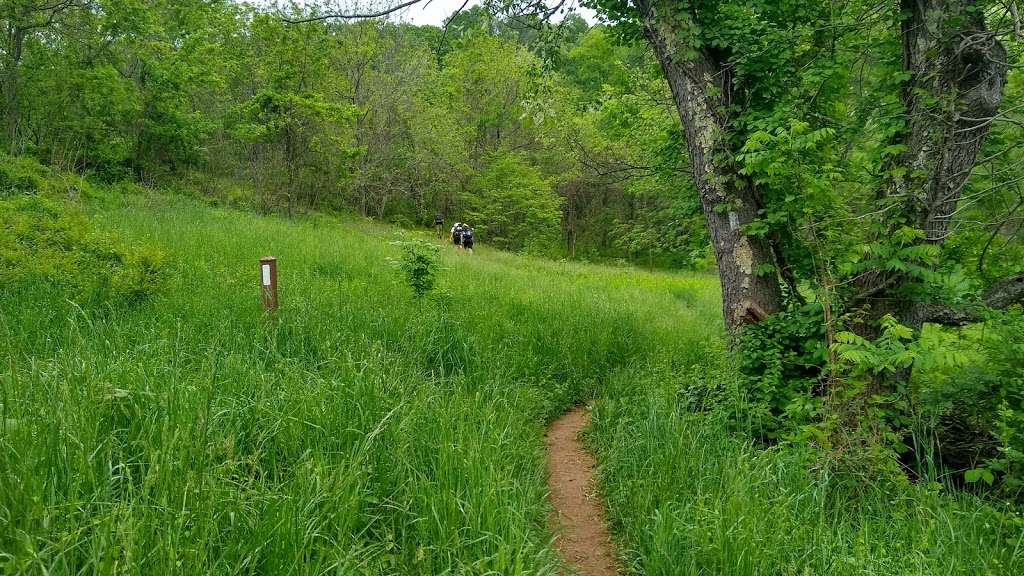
<point>467,237</point>
<point>439,225</point>
<point>457,234</point>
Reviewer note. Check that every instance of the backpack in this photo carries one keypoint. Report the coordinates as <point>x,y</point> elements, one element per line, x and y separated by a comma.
<point>467,233</point>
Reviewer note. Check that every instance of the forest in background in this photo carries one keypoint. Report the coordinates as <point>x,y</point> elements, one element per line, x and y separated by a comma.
<point>558,141</point>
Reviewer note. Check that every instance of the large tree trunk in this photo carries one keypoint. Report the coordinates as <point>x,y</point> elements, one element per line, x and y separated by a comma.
<point>957,71</point>
<point>700,87</point>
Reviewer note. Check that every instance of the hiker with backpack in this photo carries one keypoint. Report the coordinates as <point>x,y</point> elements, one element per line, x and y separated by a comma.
<point>439,225</point>
<point>457,234</point>
<point>467,237</point>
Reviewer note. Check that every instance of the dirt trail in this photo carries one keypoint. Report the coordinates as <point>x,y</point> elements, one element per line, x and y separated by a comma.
<point>578,520</point>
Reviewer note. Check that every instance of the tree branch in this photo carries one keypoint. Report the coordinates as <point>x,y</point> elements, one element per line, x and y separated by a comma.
<point>1005,293</point>
<point>447,23</point>
<point>1000,296</point>
<point>354,16</point>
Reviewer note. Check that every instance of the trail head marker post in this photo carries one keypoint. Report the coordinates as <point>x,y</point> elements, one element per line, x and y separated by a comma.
<point>268,283</point>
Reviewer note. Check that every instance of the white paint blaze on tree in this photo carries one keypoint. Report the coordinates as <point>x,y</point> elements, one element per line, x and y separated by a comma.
<point>701,87</point>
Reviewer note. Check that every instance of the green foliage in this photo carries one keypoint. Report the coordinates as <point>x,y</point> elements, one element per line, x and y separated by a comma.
<point>895,349</point>
<point>365,432</point>
<point>782,361</point>
<point>49,242</point>
<point>491,78</point>
<point>795,169</point>
<point>24,175</point>
<point>629,191</point>
<point>546,144</point>
<point>596,62</point>
<point>691,496</point>
<point>513,206</point>
<point>977,405</point>
<point>976,474</point>
<point>231,102</point>
<point>419,266</point>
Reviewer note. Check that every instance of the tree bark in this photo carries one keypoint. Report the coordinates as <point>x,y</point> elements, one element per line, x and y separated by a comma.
<point>957,71</point>
<point>701,88</point>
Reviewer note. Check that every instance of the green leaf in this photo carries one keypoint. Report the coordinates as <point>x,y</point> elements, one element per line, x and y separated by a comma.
<point>983,474</point>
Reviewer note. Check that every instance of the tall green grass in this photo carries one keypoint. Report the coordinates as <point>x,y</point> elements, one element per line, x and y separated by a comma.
<point>688,496</point>
<point>362,432</point>
<point>366,432</point>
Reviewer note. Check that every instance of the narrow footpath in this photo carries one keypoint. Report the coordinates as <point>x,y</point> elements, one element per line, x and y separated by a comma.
<point>578,519</point>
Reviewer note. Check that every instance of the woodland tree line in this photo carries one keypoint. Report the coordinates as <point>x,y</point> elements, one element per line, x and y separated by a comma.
<point>849,167</point>
<point>561,144</point>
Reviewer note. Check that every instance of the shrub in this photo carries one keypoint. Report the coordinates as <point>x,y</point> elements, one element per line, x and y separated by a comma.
<point>22,175</point>
<point>781,365</point>
<point>978,409</point>
<point>418,265</point>
<point>44,241</point>
<point>26,175</point>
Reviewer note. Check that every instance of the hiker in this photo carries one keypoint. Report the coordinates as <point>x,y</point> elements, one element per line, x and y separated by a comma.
<point>467,237</point>
<point>439,224</point>
<point>457,234</point>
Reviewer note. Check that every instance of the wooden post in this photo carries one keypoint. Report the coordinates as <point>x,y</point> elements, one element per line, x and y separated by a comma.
<point>268,283</point>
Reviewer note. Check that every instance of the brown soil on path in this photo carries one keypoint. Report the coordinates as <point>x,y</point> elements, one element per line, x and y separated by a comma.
<point>578,519</point>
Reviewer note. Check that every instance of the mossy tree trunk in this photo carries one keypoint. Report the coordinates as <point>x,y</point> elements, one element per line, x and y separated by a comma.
<point>701,87</point>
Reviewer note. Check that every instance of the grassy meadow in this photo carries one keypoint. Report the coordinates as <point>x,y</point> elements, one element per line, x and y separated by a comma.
<point>367,432</point>
<point>364,432</point>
